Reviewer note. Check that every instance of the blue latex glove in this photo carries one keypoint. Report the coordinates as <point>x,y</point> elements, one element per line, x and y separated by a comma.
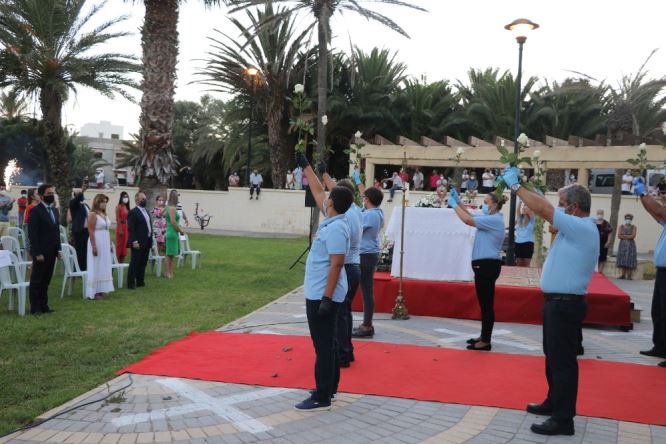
<point>454,198</point>
<point>511,176</point>
<point>356,177</point>
<point>639,187</point>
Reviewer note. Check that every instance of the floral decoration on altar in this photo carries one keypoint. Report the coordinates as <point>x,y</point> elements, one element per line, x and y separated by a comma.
<point>385,255</point>
<point>429,201</point>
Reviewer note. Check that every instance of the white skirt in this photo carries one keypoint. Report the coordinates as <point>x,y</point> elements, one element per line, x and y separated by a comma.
<point>100,277</point>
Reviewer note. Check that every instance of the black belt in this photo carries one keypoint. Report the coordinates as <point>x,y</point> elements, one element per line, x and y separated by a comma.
<point>564,297</point>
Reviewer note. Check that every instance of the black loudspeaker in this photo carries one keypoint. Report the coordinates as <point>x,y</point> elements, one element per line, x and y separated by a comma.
<point>309,199</point>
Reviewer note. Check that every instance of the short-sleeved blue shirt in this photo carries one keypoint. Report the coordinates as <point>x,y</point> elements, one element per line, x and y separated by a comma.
<point>572,257</point>
<point>660,249</point>
<point>489,236</point>
<point>525,233</point>
<point>331,238</point>
<point>355,221</point>
<point>373,220</point>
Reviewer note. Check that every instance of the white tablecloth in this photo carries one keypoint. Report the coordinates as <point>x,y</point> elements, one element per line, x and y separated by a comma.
<point>438,246</point>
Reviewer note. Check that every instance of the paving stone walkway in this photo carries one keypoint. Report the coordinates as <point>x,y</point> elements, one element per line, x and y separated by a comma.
<point>158,409</point>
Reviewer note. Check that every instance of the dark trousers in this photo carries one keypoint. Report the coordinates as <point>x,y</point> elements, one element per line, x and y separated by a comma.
<point>659,311</point>
<point>81,246</point>
<point>369,263</point>
<point>322,332</point>
<point>562,323</point>
<point>137,267</point>
<point>42,272</point>
<point>345,347</point>
<point>486,272</point>
<point>255,187</point>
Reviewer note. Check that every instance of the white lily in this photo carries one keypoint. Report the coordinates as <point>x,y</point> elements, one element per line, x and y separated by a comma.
<point>460,151</point>
<point>324,119</point>
<point>523,139</point>
<point>537,154</point>
<point>358,134</point>
<point>299,88</point>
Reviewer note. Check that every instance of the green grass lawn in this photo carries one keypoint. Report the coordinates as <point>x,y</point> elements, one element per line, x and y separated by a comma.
<point>50,359</point>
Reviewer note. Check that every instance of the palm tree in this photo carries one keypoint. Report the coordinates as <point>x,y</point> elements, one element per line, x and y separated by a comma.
<point>159,43</point>
<point>13,105</point>
<point>130,156</point>
<point>275,51</point>
<point>44,51</point>
<point>322,11</point>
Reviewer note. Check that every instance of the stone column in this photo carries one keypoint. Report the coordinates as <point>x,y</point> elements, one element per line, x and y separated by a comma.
<point>369,173</point>
<point>583,177</point>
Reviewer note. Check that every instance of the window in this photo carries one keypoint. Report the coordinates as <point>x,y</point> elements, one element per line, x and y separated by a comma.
<point>605,180</point>
<point>100,135</point>
<point>115,136</point>
<point>98,154</point>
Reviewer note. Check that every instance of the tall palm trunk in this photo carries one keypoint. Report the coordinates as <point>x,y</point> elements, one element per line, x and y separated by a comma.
<point>159,42</point>
<point>616,200</point>
<point>279,161</point>
<point>322,77</point>
<point>50,102</point>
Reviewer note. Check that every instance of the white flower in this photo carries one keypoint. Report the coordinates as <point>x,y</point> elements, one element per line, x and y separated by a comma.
<point>459,151</point>
<point>537,154</point>
<point>358,134</point>
<point>299,88</point>
<point>502,143</point>
<point>642,147</point>
<point>324,119</point>
<point>523,140</point>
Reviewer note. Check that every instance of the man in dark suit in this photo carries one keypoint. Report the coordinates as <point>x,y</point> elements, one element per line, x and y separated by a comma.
<point>44,235</point>
<point>139,240</point>
<point>78,209</point>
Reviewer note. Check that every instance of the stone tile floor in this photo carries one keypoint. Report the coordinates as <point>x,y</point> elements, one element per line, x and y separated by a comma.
<point>158,409</point>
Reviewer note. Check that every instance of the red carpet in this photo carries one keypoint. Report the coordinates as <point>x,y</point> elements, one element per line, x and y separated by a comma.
<point>628,392</point>
<point>517,298</point>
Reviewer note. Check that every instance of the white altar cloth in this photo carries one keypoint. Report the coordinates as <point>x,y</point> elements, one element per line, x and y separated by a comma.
<point>438,245</point>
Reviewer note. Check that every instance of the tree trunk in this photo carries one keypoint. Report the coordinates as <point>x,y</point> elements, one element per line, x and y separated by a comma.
<point>322,79</point>
<point>616,200</point>
<point>51,106</point>
<point>279,163</point>
<point>159,42</point>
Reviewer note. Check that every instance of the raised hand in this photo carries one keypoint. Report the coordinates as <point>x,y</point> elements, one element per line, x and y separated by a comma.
<point>639,187</point>
<point>454,198</point>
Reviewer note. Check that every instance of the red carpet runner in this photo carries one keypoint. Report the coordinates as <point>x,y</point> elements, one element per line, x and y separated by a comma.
<point>629,392</point>
<point>517,298</point>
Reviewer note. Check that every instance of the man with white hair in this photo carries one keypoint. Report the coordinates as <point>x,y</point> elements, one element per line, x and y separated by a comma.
<point>6,204</point>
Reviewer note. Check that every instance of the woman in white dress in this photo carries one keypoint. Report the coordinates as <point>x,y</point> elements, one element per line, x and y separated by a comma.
<point>100,279</point>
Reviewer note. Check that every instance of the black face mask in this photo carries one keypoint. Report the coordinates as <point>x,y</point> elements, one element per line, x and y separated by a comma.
<point>49,199</point>
<point>142,203</point>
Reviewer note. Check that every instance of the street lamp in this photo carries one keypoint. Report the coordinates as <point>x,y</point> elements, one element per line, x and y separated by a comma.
<point>252,74</point>
<point>520,27</point>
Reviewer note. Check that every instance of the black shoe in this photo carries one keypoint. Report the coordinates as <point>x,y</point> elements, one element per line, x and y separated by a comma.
<point>539,409</point>
<point>351,357</point>
<point>472,341</point>
<point>311,405</point>
<point>49,310</point>
<point>344,364</point>
<point>359,332</point>
<point>662,364</point>
<point>250,197</point>
<point>131,287</point>
<point>141,285</point>
<point>653,352</point>
<point>486,348</point>
<point>552,427</point>
<point>36,313</point>
<point>312,392</point>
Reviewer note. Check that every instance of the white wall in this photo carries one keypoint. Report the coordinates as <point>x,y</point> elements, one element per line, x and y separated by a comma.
<point>283,211</point>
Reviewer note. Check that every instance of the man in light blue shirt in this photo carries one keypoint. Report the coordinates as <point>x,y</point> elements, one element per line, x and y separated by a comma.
<point>298,177</point>
<point>325,285</point>
<point>658,212</point>
<point>396,185</point>
<point>255,183</point>
<point>564,281</point>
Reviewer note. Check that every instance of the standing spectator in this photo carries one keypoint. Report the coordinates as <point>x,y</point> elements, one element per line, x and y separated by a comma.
<point>433,179</point>
<point>33,200</point>
<point>661,186</point>
<point>99,280</point>
<point>525,223</point>
<point>298,178</point>
<point>442,184</point>
<point>290,184</point>
<point>488,181</point>
<point>99,178</point>
<point>396,185</point>
<point>22,203</point>
<point>627,180</point>
<point>140,240</point>
<point>181,213</point>
<point>234,179</point>
<point>404,176</point>
<point>173,231</point>
<point>255,183</point>
<point>122,235</point>
<point>486,259</point>
<point>6,204</point>
<point>159,222</point>
<point>79,209</point>
<point>44,236</point>
<point>418,179</point>
<point>566,275</point>
<point>605,231</point>
<point>626,252</point>
<point>463,181</point>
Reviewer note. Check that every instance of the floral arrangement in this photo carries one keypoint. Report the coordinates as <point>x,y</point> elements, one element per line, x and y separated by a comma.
<point>385,255</point>
<point>429,201</point>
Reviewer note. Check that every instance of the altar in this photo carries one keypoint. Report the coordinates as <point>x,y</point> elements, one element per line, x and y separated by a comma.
<point>438,245</point>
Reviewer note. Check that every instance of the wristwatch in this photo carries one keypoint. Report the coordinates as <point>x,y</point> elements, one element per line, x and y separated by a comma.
<point>515,187</point>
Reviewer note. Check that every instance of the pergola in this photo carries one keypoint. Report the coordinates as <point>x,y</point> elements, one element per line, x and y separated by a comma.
<point>575,153</point>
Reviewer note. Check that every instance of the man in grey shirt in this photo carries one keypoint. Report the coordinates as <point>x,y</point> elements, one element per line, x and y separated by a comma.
<point>255,183</point>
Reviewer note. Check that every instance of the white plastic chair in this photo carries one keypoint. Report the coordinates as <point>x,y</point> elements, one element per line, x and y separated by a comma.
<point>186,251</point>
<point>18,234</point>
<point>64,239</point>
<point>72,270</point>
<point>155,259</point>
<point>115,265</point>
<point>10,243</point>
<point>16,285</point>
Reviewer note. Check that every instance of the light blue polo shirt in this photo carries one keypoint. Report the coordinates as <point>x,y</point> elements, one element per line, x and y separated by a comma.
<point>489,236</point>
<point>354,218</point>
<point>572,257</point>
<point>660,249</point>
<point>331,238</point>
<point>526,233</point>
<point>373,221</point>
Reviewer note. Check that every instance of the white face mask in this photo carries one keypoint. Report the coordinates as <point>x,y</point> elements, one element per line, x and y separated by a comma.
<point>102,206</point>
<point>627,221</point>
<point>125,200</point>
<point>600,217</point>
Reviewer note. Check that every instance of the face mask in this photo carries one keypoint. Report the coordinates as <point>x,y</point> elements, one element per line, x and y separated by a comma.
<point>142,203</point>
<point>485,209</point>
<point>102,206</point>
<point>125,200</point>
<point>627,221</point>
<point>600,217</point>
<point>49,199</point>
<point>24,195</point>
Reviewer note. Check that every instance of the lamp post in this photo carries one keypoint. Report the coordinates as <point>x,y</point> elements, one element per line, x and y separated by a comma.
<point>520,27</point>
<point>252,74</point>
